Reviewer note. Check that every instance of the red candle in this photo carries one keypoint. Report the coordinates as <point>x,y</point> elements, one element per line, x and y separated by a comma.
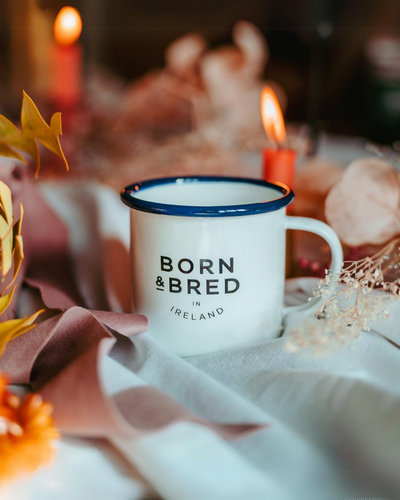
<point>66,59</point>
<point>279,163</point>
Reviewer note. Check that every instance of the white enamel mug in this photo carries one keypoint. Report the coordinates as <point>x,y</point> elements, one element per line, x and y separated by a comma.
<point>208,259</point>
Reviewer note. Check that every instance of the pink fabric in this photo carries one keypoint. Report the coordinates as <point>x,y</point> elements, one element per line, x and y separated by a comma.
<point>61,356</point>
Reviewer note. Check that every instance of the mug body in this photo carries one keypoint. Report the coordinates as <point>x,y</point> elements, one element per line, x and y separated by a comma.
<point>208,273</point>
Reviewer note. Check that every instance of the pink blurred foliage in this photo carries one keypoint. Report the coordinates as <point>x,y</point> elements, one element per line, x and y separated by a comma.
<point>313,182</point>
<point>211,93</point>
<point>360,202</point>
<point>363,207</point>
<point>197,114</point>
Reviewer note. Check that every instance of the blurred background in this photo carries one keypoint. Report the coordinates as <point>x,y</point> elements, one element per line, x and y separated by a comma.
<point>337,60</point>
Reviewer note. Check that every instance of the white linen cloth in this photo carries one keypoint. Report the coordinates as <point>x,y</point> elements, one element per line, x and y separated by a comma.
<point>334,423</point>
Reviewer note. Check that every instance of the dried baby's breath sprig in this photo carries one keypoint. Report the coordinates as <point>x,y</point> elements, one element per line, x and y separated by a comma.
<point>353,306</point>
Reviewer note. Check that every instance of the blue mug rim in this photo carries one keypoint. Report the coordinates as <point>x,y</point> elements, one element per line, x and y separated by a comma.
<point>128,198</point>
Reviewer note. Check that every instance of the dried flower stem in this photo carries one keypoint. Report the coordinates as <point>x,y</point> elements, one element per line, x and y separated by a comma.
<point>353,306</point>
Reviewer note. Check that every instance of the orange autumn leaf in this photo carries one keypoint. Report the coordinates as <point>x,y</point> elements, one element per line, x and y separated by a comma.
<point>34,129</point>
<point>27,433</point>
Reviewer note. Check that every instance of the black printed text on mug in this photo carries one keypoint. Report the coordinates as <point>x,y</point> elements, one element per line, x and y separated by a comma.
<point>206,286</point>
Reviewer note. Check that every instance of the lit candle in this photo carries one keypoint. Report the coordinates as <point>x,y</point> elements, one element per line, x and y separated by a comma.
<point>67,55</point>
<point>278,162</point>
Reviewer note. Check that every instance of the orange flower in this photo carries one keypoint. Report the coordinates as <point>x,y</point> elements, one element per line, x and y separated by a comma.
<point>26,433</point>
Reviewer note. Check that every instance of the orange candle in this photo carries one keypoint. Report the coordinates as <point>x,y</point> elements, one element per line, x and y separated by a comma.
<point>67,57</point>
<point>279,163</point>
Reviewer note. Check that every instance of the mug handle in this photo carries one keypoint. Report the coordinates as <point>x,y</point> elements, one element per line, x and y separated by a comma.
<point>329,235</point>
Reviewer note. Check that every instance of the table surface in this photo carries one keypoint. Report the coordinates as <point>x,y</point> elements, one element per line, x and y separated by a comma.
<point>93,468</point>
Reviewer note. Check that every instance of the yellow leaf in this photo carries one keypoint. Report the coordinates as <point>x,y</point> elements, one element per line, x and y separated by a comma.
<point>6,202</point>
<point>34,127</point>
<point>6,300</point>
<point>8,131</point>
<point>18,257</point>
<point>14,328</point>
<point>11,137</point>
<point>18,225</point>
<point>6,229</point>
<point>18,252</point>
<point>6,243</point>
<point>8,152</point>
<point>55,124</point>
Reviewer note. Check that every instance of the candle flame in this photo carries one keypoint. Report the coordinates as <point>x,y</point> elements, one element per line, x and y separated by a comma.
<point>67,26</point>
<point>271,115</point>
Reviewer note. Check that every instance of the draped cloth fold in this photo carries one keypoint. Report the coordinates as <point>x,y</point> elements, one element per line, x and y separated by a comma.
<point>62,355</point>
